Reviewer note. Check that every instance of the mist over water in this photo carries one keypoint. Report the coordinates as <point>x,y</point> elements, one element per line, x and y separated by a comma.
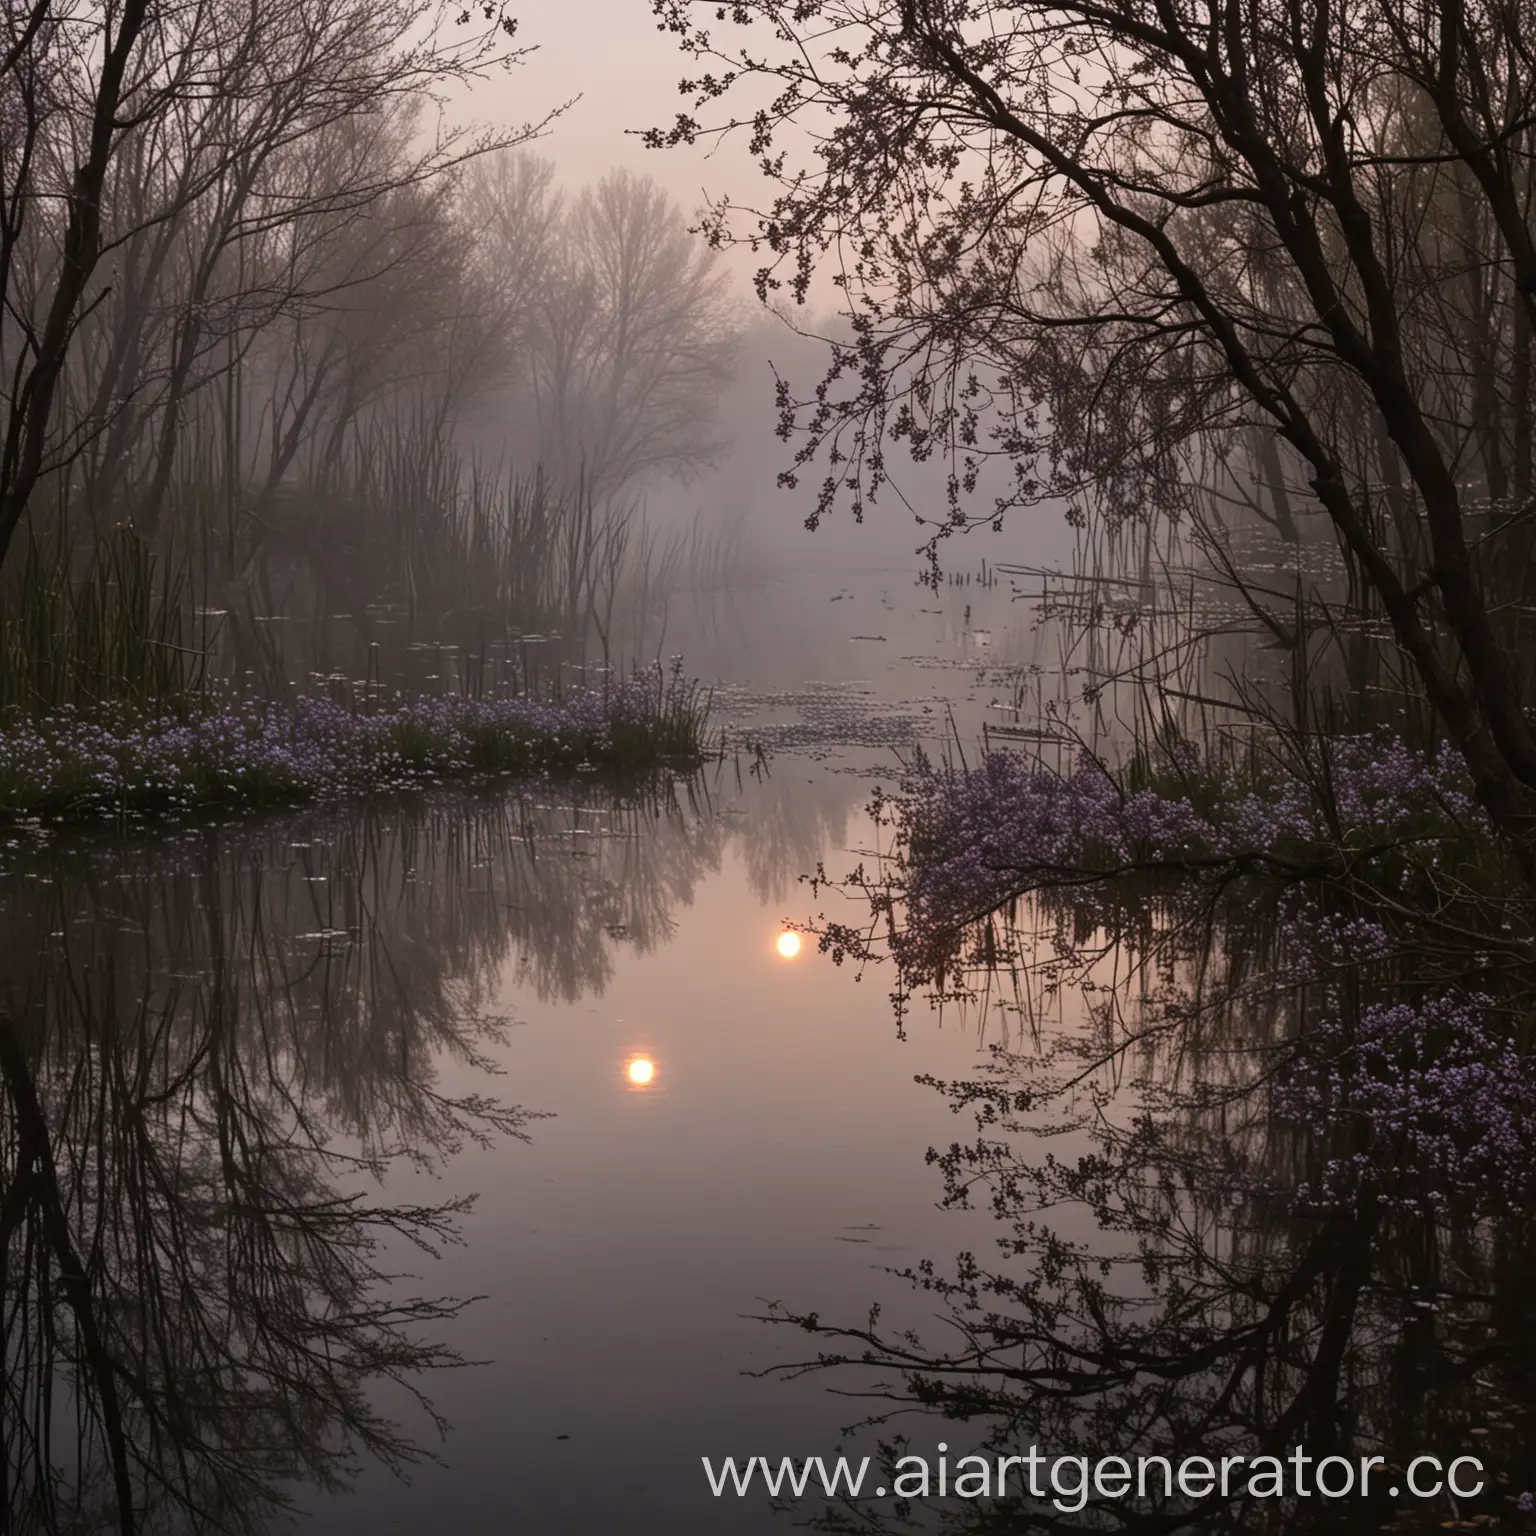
<point>642,825</point>
<point>545,1046</point>
<point>373,965</point>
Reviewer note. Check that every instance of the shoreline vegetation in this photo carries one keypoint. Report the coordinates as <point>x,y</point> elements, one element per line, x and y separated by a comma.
<point>1351,879</point>
<point>250,753</point>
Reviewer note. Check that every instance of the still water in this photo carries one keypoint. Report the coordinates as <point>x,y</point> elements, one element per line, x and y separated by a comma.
<point>431,1164</point>
<point>555,1042</point>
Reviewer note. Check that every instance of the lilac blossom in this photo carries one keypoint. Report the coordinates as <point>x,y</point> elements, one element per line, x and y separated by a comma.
<point>1438,1104</point>
<point>975,839</point>
<point>250,749</point>
<point>1416,1104</point>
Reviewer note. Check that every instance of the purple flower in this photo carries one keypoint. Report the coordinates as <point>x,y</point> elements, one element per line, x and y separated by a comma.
<point>1434,1100</point>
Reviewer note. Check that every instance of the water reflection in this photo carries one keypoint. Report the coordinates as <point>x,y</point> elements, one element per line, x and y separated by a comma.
<point>195,1265</point>
<point>212,1051</point>
<point>1173,1274</point>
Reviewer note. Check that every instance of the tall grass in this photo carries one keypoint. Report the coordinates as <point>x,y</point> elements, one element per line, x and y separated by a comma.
<point>477,556</point>
<point>105,623</point>
<point>393,560</point>
<point>444,536</point>
<point>1214,632</point>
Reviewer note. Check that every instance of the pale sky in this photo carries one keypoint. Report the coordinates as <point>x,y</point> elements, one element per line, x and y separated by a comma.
<point>627,72</point>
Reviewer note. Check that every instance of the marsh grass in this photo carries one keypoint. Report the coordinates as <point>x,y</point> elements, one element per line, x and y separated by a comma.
<point>402,550</point>
<point>409,519</point>
<point>145,676</point>
<point>109,628</point>
<point>250,753</point>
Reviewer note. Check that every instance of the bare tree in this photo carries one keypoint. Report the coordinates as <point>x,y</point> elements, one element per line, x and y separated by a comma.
<point>158,163</point>
<point>633,339</point>
<point>72,71</point>
<point>508,207</point>
<point>1096,239</point>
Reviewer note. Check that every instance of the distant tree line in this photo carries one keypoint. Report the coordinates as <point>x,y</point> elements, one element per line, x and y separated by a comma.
<point>247,269</point>
<point>618,324</point>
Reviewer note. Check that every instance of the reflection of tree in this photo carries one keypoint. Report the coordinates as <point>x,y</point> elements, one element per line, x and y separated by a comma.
<point>184,1275</point>
<point>1157,1288</point>
<point>786,825</point>
<point>209,1046</point>
<point>207,1050</point>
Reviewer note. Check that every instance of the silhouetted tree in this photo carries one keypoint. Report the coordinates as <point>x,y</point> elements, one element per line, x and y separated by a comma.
<point>1100,240</point>
<point>632,339</point>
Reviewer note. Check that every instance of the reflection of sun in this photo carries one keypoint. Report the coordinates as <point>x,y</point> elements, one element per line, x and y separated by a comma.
<point>789,945</point>
<point>641,1071</point>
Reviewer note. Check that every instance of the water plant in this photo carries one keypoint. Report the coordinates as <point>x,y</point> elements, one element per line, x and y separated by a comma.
<point>110,626</point>
<point>1434,1101</point>
<point>970,841</point>
<point>249,752</point>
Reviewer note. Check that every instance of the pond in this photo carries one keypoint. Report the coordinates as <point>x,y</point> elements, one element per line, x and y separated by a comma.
<point>529,1083</point>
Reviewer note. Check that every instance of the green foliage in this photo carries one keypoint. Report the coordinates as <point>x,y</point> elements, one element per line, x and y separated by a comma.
<point>106,627</point>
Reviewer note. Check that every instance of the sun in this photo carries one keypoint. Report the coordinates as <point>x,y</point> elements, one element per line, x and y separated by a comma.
<point>640,1071</point>
<point>789,945</point>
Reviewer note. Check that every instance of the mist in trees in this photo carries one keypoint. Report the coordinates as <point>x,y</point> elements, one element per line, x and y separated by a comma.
<point>620,323</point>
<point>313,396</point>
<point>1137,254</point>
<point>321,349</point>
<point>1247,290</point>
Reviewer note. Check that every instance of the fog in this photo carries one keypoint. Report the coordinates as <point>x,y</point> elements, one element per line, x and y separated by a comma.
<point>615,751</point>
<point>435,333</point>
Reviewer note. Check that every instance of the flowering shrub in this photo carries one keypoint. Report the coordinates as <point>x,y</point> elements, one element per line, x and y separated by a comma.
<point>1438,1104</point>
<point>976,839</point>
<point>253,751</point>
<point>1416,1105</point>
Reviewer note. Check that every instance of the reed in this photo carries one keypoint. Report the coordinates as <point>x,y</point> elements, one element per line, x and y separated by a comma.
<point>109,624</point>
<point>447,536</point>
